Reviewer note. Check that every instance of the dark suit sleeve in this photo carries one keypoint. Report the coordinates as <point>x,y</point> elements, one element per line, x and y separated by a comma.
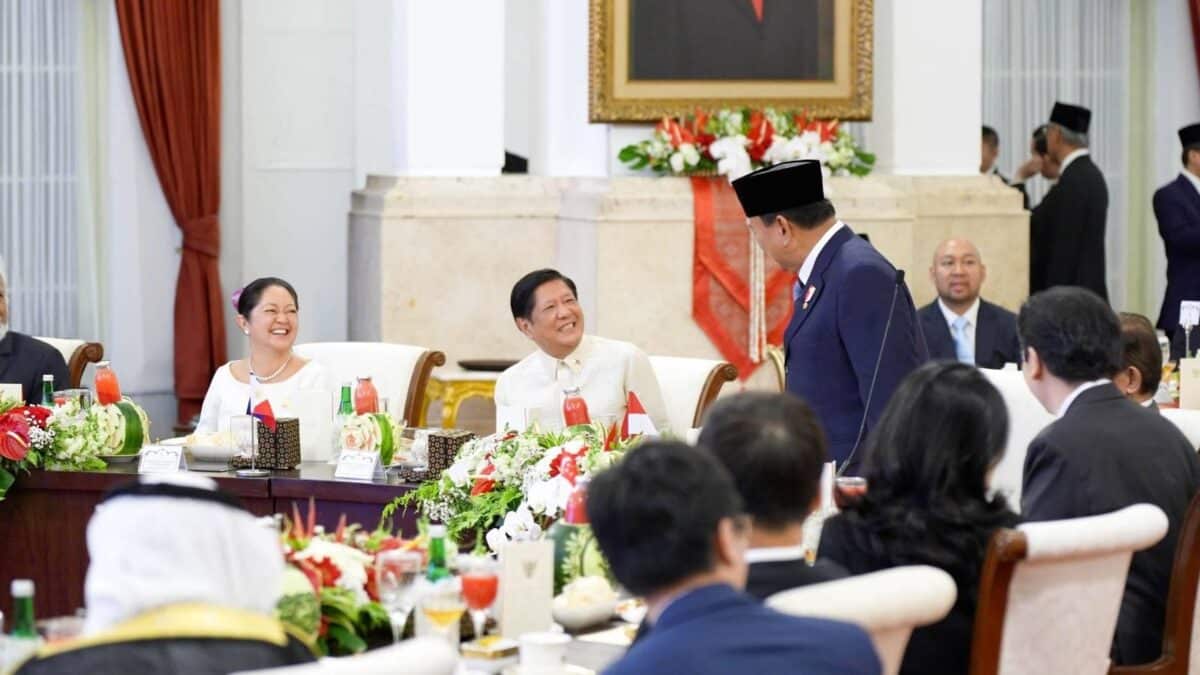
<point>56,366</point>
<point>1040,229</point>
<point>1177,233</point>
<point>862,315</point>
<point>1049,489</point>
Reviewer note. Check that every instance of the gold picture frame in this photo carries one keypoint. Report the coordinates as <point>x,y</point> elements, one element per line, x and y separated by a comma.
<point>614,96</point>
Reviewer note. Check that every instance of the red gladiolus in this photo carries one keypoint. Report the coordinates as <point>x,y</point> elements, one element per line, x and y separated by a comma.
<point>761,135</point>
<point>828,130</point>
<point>484,485</point>
<point>677,134</point>
<point>14,436</point>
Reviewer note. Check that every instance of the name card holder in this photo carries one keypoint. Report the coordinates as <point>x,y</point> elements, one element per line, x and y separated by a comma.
<point>162,459</point>
<point>526,587</point>
<point>12,390</point>
<point>359,465</point>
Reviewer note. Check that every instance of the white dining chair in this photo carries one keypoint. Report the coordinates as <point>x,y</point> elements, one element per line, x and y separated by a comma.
<point>400,372</point>
<point>689,387</point>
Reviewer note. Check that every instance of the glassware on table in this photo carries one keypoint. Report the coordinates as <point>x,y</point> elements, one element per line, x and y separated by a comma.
<point>244,431</point>
<point>442,606</point>
<point>480,583</point>
<point>848,489</point>
<point>575,410</point>
<point>366,397</point>
<point>108,391</point>
<point>395,574</point>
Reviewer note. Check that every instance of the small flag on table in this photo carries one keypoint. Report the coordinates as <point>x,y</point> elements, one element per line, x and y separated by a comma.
<point>260,407</point>
<point>636,420</point>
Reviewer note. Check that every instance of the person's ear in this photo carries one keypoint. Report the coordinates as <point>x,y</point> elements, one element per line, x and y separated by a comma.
<point>731,542</point>
<point>243,324</point>
<point>781,225</point>
<point>525,326</point>
<point>1033,364</point>
<point>1135,380</point>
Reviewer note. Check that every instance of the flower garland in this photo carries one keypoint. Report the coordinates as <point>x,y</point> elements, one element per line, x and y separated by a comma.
<point>735,142</point>
<point>513,485</point>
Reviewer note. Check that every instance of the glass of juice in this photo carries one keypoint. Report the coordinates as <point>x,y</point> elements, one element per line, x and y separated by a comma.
<point>480,582</point>
<point>443,607</point>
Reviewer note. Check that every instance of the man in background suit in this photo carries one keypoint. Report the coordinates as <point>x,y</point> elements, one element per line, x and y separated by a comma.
<point>1040,162</point>
<point>960,324</point>
<point>774,448</point>
<point>670,523</point>
<point>1103,452</point>
<point>853,334</point>
<point>1177,209</point>
<point>24,359</point>
<point>1066,230</point>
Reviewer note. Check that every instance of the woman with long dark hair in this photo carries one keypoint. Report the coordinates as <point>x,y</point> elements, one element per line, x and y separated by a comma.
<point>927,502</point>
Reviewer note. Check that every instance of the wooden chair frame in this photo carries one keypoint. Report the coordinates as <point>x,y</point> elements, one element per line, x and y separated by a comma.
<point>1005,549</point>
<point>717,377</point>
<point>88,352</point>
<point>419,382</point>
<point>1181,603</point>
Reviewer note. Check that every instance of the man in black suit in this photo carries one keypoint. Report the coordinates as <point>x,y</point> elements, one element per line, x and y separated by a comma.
<point>959,324</point>
<point>23,359</point>
<point>1104,452</point>
<point>731,39</point>
<point>1177,209</point>
<point>1066,230</point>
<point>774,448</point>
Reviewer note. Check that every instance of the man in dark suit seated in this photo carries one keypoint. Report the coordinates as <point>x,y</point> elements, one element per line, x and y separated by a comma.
<point>959,324</point>
<point>774,448</point>
<point>1141,360</point>
<point>1104,452</point>
<point>672,527</point>
<point>23,359</point>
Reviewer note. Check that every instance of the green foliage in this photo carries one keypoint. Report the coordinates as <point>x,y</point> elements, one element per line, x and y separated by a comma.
<point>485,511</point>
<point>351,627</point>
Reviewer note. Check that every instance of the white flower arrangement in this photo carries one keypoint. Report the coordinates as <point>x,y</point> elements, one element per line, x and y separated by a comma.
<point>372,432</point>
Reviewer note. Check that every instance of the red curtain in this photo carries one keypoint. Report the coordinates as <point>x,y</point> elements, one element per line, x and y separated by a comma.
<point>1194,10</point>
<point>173,55</point>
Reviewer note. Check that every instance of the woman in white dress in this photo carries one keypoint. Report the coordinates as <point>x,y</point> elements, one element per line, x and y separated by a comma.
<point>268,312</point>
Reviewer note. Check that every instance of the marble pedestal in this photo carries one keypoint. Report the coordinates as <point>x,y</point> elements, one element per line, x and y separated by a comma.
<point>432,260</point>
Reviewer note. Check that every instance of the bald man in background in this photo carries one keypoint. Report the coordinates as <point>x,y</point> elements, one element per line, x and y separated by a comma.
<point>960,325</point>
<point>24,359</point>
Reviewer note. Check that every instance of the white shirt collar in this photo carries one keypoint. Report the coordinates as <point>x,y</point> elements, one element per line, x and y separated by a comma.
<point>972,313</point>
<point>775,554</point>
<point>1147,403</point>
<point>1192,178</point>
<point>1075,154</point>
<point>810,262</point>
<point>1066,405</point>
<point>574,360</point>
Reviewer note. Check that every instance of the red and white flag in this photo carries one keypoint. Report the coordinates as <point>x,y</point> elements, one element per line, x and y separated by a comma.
<point>636,420</point>
<point>260,407</point>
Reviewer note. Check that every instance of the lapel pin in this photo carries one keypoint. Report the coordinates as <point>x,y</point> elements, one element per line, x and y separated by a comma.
<point>808,296</point>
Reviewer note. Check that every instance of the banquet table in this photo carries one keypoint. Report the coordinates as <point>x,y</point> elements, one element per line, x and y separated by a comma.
<point>43,519</point>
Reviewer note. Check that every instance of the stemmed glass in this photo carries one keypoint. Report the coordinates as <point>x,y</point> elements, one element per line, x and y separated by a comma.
<point>480,582</point>
<point>244,428</point>
<point>395,572</point>
<point>443,606</point>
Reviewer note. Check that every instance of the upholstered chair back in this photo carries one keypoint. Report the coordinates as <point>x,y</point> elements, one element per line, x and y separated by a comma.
<point>400,372</point>
<point>689,386</point>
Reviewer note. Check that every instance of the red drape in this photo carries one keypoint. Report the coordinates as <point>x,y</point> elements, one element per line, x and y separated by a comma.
<point>173,55</point>
<point>721,287</point>
<point>1194,10</point>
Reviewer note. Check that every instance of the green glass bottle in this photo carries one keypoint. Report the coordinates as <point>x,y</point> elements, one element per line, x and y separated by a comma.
<point>346,407</point>
<point>438,569</point>
<point>48,390</point>
<point>24,625</point>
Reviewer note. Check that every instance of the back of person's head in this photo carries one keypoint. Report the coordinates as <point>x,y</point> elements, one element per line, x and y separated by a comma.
<point>773,446</point>
<point>1039,141</point>
<point>989,136</point>
<point>524,293</point>
<point>1075,333</point>
<point>1140,350</point>
<point>658,512</point>
<point>177,539</point>
<point>927,465</point>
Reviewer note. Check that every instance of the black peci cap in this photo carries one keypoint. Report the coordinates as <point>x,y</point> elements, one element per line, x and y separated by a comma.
<point>1072,117</point>
<point>1190,135</point>
<point>784,186</point>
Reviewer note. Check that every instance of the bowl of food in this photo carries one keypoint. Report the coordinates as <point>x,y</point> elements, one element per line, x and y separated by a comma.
<point>585,602</point>
<point>215,446</point>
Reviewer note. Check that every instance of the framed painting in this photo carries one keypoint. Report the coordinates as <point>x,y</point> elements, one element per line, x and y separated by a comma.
<point>655,58</point>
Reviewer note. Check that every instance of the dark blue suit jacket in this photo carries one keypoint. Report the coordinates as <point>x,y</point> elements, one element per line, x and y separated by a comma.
<point>995,335</point>
<point>1177,209</point>
<point>715,629</point>
<point>25,359</point>
<point>834,338</point>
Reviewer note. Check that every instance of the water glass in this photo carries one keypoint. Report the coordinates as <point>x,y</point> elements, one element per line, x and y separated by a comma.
<point>395,573</point>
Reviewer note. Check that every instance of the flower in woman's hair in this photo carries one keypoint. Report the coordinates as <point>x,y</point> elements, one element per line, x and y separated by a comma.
<point>235,296</point>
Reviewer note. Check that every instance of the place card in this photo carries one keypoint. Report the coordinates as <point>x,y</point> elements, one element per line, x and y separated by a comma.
<point>1189,313</point>
<point>526,587</point>
<point>1189,383</point>
<point>12,390</point>
<point>359,465</point>
<point>162,459</point>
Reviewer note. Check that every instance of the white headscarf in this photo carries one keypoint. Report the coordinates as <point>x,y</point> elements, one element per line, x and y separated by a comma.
<point>151,550</point>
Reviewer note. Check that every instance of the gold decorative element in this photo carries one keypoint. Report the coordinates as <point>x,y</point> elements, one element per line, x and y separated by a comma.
<point>453,393</point>
<point>608,40</point>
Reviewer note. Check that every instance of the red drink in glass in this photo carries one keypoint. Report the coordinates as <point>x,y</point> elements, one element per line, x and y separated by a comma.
<point>479,590</point>
<point>574,409</point>
<point>366,398</point>
<point>108,391</point>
